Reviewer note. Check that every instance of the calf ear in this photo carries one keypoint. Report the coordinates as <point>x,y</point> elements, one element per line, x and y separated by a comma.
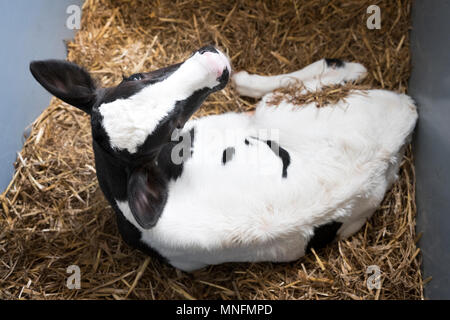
<point>67,81</point>
<point>147,195</point>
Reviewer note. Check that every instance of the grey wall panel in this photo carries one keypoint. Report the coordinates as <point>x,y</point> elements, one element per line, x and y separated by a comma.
<point>430,87</point>
<point>29,29</point>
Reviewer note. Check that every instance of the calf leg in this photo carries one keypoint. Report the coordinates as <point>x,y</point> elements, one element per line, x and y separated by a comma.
<point>313,77</point>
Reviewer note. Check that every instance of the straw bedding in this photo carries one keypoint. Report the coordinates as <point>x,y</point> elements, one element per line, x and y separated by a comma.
<point>53,213</point>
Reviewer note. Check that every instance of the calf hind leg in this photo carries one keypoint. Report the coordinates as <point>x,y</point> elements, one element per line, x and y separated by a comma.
<point>313,77</point>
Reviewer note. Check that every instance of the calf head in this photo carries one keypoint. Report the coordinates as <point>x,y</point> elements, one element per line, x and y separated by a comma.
<point>134,120</point>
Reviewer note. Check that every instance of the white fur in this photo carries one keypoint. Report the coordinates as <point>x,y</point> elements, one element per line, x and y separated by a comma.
<point>343,159</point>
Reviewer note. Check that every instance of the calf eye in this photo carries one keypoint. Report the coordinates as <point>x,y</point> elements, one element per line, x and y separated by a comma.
<point>135,77</point>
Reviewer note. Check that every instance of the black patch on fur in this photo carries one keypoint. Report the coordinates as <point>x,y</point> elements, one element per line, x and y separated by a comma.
<point>246,142</point>
<point>334,63</point>
<point>280,152</point>
<point>228,155</point>
<point>174,170</point>
<point>113,180</point>
<point>323,235</point>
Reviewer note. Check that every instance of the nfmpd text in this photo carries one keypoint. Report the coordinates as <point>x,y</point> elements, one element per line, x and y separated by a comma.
<point>246,309</point>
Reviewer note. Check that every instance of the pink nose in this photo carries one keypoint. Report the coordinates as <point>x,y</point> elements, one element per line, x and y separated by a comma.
<point>216,62</point>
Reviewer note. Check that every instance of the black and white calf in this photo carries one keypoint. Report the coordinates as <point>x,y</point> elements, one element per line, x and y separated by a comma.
<point>236,187</point>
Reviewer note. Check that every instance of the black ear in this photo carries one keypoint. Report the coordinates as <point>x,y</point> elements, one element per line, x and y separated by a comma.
<point>147,195</point>
<point>67,81</point>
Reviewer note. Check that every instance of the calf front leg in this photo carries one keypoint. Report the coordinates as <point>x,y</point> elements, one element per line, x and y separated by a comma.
<point>313,77</point>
